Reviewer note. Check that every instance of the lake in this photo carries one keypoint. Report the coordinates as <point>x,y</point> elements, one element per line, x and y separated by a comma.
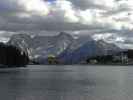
<point>67,83</point>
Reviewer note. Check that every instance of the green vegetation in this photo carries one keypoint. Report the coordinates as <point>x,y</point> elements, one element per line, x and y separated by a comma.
<point>52,59</point>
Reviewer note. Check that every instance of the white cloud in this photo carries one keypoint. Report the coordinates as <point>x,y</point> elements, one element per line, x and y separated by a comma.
<point>35,6</point>
<point>38,12</point>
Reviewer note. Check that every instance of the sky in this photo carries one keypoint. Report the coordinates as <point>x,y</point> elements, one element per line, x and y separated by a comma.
<point>110,20</point>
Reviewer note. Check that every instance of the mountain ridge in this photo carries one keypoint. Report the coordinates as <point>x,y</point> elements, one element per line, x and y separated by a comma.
<point>63,46</point>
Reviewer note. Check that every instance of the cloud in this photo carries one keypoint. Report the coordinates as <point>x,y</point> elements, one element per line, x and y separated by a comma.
<point>93,16</point>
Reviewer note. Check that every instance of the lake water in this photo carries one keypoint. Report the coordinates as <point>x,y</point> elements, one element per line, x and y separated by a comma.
<point>67,83</point>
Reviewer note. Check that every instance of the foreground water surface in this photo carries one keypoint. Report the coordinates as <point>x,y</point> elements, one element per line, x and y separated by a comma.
<point>67,83</point>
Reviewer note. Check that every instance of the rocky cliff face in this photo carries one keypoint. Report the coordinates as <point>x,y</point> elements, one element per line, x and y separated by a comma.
<point>40,47</point>
<point>12,56</point>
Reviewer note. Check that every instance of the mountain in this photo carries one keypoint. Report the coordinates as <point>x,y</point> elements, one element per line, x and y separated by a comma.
<point>40,47</point>
<point>108,48</point>
<point>79,54</point>
<point>21,41</point>
<point>62,46</point>
<point>86,47</point>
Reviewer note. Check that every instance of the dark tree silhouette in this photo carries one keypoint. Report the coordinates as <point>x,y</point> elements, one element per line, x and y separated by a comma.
<point>130,53</point>
<point>12,56</point>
